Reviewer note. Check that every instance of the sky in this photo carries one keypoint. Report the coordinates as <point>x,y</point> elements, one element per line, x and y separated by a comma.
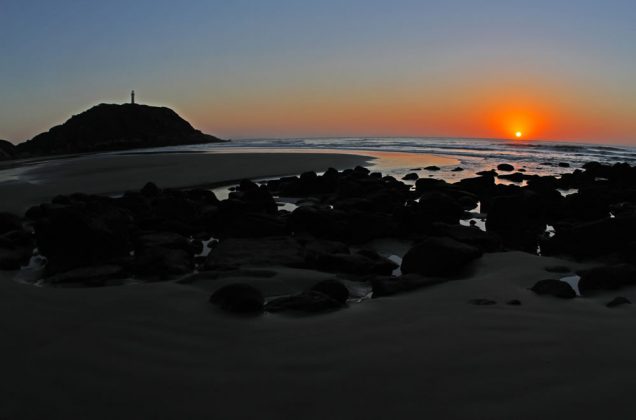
<point>558,70</point>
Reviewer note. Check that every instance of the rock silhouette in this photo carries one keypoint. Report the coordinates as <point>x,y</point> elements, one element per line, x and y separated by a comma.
<point>114,127</point>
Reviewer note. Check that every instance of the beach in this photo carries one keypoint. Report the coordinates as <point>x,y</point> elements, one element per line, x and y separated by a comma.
<point>160,350</point>
<point>112,174</point>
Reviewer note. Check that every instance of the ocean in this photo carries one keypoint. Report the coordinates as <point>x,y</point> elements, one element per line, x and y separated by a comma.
<point>473,155</point>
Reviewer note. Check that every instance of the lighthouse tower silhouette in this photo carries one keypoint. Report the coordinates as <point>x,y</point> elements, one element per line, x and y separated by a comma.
<point>132,97</point>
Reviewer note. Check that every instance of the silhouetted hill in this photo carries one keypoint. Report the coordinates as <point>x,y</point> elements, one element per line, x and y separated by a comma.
<point>115,127</point>
<point>7,150</point>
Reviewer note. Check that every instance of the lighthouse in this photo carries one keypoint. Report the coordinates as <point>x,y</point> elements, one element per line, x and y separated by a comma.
<point>132,97</point>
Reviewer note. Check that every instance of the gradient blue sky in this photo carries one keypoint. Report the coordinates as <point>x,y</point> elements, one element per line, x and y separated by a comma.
<point>554,69</point>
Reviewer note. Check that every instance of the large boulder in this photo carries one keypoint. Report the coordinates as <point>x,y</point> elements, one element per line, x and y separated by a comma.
<point>556,288</point>
<point>439,257</point>
<point>439,207</point>
<point>74,237</point>
<point>482,186</point>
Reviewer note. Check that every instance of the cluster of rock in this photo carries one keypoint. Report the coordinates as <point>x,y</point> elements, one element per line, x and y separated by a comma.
<point>155,234</point>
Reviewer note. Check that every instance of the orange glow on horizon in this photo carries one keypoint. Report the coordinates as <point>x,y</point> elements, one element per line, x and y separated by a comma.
<point>488,110</point>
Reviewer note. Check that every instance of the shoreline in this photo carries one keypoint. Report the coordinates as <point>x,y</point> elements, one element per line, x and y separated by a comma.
<point>109,174</point>
<point>475,336</point>
<point>35,182</point>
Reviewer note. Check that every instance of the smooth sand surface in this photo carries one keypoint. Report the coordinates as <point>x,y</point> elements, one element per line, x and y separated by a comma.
<point>160,351</point>
<point>25,186</point>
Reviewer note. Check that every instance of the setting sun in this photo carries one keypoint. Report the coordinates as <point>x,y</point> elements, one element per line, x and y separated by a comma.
<point>518,134</point>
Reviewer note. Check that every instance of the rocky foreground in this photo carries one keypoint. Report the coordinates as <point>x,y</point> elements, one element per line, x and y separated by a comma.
<point>159,234</point>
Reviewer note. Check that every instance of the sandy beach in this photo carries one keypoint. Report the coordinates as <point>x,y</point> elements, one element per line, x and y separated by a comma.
<point>115,173</point>
<point>161,351</point>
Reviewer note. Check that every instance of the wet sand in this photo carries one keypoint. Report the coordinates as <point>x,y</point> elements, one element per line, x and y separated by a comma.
<point>25,186</point>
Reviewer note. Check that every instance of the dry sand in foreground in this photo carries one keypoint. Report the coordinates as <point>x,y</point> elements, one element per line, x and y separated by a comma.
<point>161,351</point>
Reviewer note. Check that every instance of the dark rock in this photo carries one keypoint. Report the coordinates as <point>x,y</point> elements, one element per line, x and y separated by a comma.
<point>72,237</point>
<point>564,165</point>
<point>505,167</point>
<point>14,258</point>
<point>362,262</point>
<point>439,207</point>
<point>514,302</point>
<point>16,249</point>
<point>232,224</point>
<point>310,302</point>
<point>111,127</point>
<point>332,288</point>
<point>235,252</point>
<point>361,170</point>
<point>519,218</point>
<point>323,246</point>
<point>516,177</point>
<point>609,277</point>
<point>319,222</point>
<point>432,168</point>
<point>175,208</point>
<point>617,301</point>
<point>9,222</point>
<point>162,262</point>
<point>591,239</point>
<point>471,235</point>
<point>482,302</point>
<point>427,184</point>
<point>166,240</point>
<point>481,185</point>
<point>410,176</point>
<point>457,169</point>
<point>389,286</point>
<point>554,288</point>
<point>439,257</point>
<point>256,198</point>
<point>150,190</point>
<point>239,298</point>
<point>89,276</point>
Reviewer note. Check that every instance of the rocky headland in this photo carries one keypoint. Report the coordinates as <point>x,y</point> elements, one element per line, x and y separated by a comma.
<point>107,127</point>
